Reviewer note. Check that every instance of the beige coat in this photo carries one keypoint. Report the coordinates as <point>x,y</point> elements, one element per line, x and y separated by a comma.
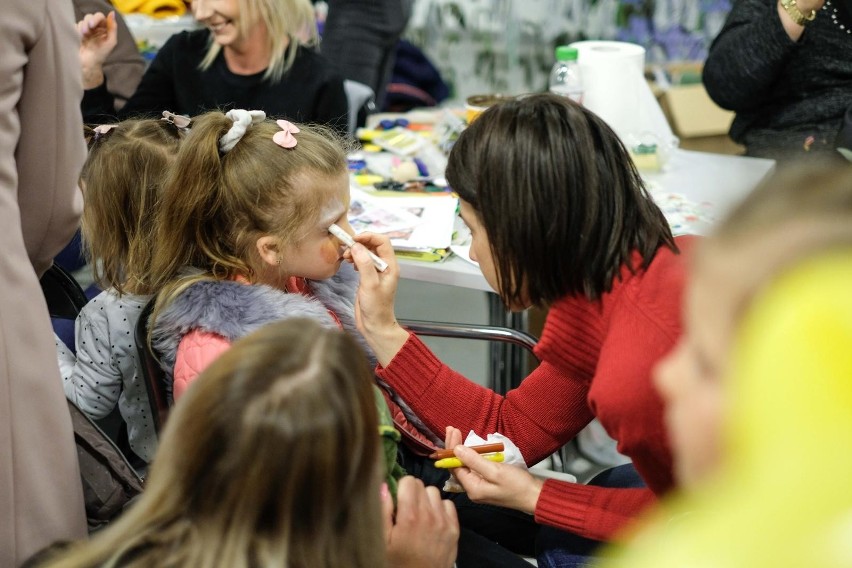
<point>41,152</point>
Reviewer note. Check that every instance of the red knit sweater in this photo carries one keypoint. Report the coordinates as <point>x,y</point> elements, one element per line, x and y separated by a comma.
<point>596,361</point>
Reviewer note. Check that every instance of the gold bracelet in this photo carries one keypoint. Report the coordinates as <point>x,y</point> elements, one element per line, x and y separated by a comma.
<point>792,9</point>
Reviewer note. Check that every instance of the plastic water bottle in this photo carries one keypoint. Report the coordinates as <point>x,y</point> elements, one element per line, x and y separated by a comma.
<point>565,78</point>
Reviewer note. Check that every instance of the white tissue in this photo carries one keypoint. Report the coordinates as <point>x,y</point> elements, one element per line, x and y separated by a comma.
<point>511,455</point>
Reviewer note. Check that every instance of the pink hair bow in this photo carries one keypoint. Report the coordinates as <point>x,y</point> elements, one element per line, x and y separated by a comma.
<point>101,131</point>
<point>180,121</point>
<point>104,128</point>
<point>285,138</point>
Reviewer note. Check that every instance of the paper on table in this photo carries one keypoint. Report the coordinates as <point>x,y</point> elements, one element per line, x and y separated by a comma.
<point>685,217</point>
<point>367,214</point>
<point>463,252</point>
<point>413,223</point>
<point>461,241</point>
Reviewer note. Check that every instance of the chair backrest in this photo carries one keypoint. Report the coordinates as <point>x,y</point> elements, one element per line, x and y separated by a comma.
<point>359,96</point>
<point>65,298</point>
<point>471,331</point>
<point>152,371</point>
<point>509,347</point>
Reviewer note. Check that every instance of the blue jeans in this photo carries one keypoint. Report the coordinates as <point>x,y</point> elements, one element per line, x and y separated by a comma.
<point>71,257</point>
<point>560,549</point>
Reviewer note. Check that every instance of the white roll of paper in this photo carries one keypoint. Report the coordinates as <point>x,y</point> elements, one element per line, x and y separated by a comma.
<point>616,90</point>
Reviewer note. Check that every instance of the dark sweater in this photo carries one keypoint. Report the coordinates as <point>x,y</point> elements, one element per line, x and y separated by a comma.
<point>311,91</point>
<point>783,91</point>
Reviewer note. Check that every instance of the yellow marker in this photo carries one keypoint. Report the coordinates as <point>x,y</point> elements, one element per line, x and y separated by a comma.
<point>367,179</point>
<point>449,463</point>
<point>367,134</point>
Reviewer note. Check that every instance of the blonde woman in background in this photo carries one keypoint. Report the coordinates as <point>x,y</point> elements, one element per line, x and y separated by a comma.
<point>758,391</point>
<point>250,54</point>
<point>272,460</point>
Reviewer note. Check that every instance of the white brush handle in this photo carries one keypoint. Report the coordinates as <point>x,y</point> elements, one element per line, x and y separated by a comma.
<point>347,239</point>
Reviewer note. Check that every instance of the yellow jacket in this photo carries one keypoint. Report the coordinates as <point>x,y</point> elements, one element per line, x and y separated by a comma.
<point>783,497</point>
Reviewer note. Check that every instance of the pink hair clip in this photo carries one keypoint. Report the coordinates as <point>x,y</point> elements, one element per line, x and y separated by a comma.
<point>102,130</point>
<point>179,120</point>
<point>285,138</point>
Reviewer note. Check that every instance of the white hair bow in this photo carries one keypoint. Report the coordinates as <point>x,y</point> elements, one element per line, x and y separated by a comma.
<point>242,120</point>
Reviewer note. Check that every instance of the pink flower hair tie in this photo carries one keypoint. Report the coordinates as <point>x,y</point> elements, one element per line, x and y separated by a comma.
<point>285,138</point>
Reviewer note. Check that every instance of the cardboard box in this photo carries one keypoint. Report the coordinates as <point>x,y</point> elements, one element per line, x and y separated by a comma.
<point>699,122</point>
<point>693,113</point>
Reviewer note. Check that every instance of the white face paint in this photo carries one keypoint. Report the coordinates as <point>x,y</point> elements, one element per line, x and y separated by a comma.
<point>317,254</point>
<point>332,212</point>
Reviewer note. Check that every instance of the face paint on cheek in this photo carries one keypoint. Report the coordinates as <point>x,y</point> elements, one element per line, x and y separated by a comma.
<point>330,254</point>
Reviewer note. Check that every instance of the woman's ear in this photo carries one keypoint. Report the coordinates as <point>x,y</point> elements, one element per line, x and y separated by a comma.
<point>269,250</point>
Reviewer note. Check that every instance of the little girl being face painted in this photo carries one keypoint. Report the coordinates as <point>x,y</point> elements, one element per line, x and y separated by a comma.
<point>251,198</point>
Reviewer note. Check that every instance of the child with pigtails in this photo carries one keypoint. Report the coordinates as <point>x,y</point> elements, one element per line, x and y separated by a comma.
<point>242,241</point>
<point>121,182</point>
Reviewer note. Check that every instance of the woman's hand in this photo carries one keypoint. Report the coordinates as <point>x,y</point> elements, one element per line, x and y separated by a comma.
<point>808,6</point>
<point>98,37</point>
<point>494,483</point>
<point>374,313</point>
<point>452,437</point>
<point>424,533</point>
<point>794,30</point>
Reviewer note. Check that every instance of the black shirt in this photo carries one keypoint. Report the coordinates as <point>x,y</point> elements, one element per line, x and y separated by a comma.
<point>783,91</point>
<point>311,91</point>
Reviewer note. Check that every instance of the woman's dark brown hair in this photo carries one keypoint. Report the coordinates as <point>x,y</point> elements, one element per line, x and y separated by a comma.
<point>559,197</point>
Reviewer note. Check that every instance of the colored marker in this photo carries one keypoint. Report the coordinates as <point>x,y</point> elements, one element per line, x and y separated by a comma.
<point>449,463</point>
<point>421,167</point>
<point>480,449</point>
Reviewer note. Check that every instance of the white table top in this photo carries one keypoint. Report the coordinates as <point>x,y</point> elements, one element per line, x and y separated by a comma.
<point>701,177</point>
<point>719,179</point>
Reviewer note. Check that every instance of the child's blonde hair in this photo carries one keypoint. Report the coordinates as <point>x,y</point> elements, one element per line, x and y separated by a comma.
<point>271,459</point>
<point>121,178</point>
<point>289,23</point>
<point>800,210</point>
<point>215,206</point>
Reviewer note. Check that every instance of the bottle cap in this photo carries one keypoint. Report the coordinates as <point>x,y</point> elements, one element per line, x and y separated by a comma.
<point>566,53</point>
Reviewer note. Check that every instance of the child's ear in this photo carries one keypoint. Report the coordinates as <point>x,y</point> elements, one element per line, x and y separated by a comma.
<point>269,249</point>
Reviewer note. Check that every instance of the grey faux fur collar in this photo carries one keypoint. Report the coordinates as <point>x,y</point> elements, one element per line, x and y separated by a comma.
<point>233,310</point>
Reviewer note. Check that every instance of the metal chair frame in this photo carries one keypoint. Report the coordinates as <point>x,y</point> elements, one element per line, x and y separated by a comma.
<point>64,296</point>
<point>152,371</point>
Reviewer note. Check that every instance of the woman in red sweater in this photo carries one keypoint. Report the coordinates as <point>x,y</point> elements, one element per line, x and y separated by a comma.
<point>560,218</point>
